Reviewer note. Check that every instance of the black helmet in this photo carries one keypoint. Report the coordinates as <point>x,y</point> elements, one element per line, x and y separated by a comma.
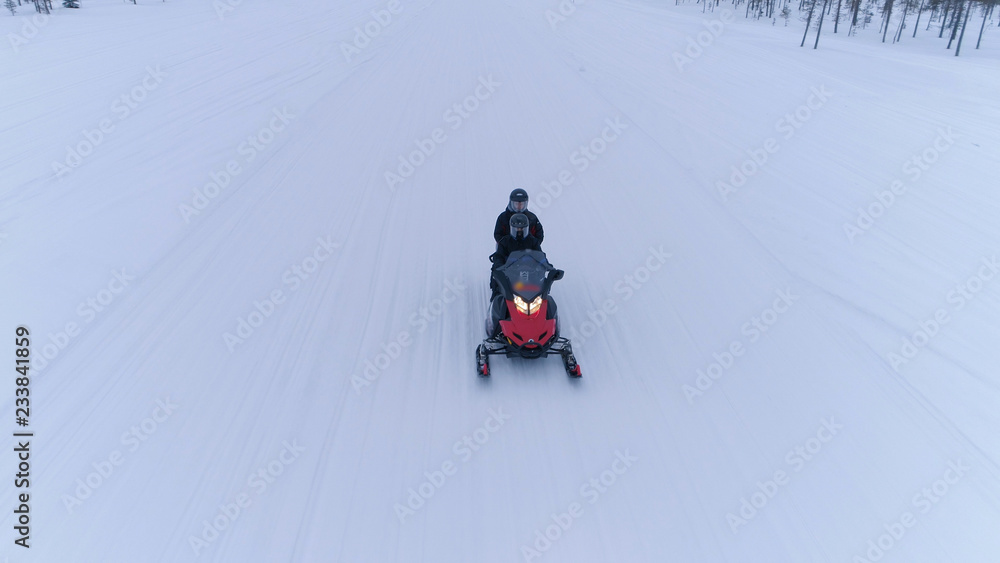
<point>518,201</point>
<point>518,225</point>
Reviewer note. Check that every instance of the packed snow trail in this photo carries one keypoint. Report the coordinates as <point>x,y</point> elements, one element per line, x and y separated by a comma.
<point>277,370</point>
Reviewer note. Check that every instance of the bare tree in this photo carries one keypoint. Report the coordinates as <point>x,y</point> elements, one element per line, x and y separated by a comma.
<point>888,17</point>
<point>812,7</point>
<point>944,17</point>
<point>819,28</point>
<point>902,22</point>
<point>965,22</point>
<point>954,27</point>
<point>930,18</point>
<point>855,8</point>
<point>987,11</point>
<point>920,10</point>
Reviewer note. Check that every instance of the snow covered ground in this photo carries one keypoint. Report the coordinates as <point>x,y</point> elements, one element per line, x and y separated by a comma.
<point>250,240</point>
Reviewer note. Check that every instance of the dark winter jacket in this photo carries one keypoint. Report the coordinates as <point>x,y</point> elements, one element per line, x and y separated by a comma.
<point>503,226</point>
<point>510,244</point>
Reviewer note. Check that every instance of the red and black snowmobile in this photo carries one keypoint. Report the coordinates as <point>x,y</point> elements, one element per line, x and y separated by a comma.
<point>522,321</point>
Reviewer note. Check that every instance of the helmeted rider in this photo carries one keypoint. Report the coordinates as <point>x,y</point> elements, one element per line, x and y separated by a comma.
<point>520,238</point>
<point>518,204</point>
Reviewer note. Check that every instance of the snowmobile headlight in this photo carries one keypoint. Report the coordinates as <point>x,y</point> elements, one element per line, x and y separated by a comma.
<point>528,308</point>
<point>534,305</point>
<point>521,305</point>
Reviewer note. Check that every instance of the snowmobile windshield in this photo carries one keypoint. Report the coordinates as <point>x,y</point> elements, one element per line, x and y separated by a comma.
<point>525,273</point>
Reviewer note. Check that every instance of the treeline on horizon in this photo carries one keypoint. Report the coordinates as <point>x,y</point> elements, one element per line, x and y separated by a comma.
<point>948,18</point>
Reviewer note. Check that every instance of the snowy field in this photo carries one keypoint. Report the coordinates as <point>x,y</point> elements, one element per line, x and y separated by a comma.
<point>249,242</point>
